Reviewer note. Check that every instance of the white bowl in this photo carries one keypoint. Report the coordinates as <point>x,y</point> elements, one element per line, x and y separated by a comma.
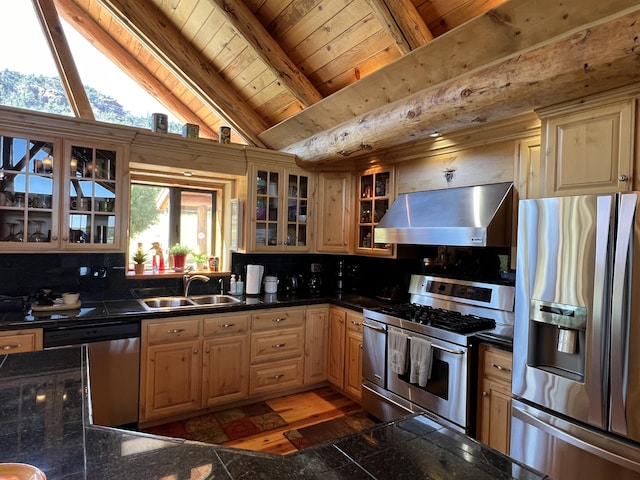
<point>70,298</point>
<point>302,218</point>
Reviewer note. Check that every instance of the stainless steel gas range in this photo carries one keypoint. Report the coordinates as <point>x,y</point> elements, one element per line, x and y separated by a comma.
<point>418,356</point>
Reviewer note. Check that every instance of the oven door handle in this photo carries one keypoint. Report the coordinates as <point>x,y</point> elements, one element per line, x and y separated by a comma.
<point>448,350</point>
<point>373,327</point>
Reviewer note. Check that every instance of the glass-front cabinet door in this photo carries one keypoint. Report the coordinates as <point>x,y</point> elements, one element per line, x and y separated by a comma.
<point>90,199</point>
<point>29,167</point>
<point>375,194</point>
<point>280,207</point>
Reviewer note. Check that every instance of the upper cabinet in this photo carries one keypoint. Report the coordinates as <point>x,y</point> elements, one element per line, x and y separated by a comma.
<point>335,212</point>
<point>59,194</point>
<point>374,196</point>
<point>280,209</point>
<point>589,146</point>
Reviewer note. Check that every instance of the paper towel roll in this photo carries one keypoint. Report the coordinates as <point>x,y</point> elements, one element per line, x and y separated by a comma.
<point>254,279</point>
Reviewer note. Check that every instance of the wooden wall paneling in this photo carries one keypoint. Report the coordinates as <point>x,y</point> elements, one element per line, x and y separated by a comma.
<point>485,164</point>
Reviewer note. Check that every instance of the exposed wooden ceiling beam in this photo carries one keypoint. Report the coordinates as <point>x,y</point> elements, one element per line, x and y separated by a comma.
<point>100,39</point>
<point>153,30</point>
<point>54,34</point>
<point>269,51</point>
<point>403,22</point>
<point>599,57</point>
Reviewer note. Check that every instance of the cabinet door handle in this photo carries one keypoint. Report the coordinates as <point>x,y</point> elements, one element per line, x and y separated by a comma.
<point>279,376</point>
<point>485,394</point>
<point>11,347</point>
<point>278,320</point>
<point>176,330</point>
<point>623,178</point>
<point>501,368</point>
<point>357,324</point>
<point>360,346</point>
<point>227,325</point>
<point>208,350</point>
<point>195,351</point>
<point>278,345</point>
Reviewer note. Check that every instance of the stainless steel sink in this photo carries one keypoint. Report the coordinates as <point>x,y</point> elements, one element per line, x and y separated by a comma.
<point>214,299</point>
<point>166,302</point>
<point>180,303</point>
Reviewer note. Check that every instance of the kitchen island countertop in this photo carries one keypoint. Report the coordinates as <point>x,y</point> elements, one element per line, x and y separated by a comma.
<point>45,421</point>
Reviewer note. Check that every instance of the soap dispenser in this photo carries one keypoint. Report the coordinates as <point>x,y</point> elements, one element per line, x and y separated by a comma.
<point>232,284</point>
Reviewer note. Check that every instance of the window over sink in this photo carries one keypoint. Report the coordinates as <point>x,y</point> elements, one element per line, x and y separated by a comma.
<point>163,215</point>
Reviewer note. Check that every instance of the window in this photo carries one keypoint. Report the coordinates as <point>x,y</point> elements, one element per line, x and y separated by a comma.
<point>167,215</point>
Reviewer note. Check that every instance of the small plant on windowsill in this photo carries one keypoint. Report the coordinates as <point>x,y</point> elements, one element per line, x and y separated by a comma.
<point>200,259</point>
<point>139,258</point>
<point>179,254</point>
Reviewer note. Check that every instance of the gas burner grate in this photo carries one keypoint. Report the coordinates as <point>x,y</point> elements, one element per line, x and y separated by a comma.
<point>439,318</point>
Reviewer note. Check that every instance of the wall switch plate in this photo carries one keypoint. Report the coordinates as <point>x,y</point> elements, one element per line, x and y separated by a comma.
<point>98,272</point>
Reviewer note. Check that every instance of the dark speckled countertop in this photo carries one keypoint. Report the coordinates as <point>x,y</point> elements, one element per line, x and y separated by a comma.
<point>44,421</point>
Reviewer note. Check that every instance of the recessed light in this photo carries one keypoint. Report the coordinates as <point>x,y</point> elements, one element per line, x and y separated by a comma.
<point>187,174</point>
<point>434,134</point>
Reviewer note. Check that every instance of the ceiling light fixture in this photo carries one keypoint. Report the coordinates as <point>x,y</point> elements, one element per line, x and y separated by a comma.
<point>435,134</point>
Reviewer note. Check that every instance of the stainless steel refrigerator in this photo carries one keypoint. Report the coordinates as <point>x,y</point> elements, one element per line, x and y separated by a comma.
<point>576,354</point>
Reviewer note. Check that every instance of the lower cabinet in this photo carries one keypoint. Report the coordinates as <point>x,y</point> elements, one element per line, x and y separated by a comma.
<point>170,367</point>
<point>345,351</point>
<point>225,375</point>
<point>192,363</point>
<point>277,350</point>
<point>494,402</point>
<point>19,341</point>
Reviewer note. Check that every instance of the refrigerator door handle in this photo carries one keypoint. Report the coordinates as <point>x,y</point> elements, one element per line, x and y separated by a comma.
<point>597,353</point>
<point>620,313</point>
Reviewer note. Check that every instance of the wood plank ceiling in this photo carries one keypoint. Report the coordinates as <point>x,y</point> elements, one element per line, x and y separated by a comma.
<point>285,73</point>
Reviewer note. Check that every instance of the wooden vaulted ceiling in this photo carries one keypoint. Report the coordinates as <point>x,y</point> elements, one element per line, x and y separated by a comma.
<point>332,79</point>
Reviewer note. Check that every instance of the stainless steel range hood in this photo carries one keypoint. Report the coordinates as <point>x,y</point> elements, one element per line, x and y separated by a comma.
<point>477,216</point>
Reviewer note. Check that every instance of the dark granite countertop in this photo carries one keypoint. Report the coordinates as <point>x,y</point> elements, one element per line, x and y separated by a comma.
<point>130,310</point>
<point>44,421</point>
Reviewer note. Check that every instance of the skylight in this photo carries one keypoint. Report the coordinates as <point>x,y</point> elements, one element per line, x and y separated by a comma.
<point>30,54</point>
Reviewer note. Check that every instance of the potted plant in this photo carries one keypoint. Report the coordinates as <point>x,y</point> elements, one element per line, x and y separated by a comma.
<point>139,258</point>
<point>200,259</point>
<point>179,253</point>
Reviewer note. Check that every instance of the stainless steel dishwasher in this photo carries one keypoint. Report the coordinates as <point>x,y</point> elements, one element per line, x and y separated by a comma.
<point>114,367</point>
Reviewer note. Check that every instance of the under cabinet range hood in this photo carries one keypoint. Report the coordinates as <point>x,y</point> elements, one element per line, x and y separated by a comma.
<point>478,216</point>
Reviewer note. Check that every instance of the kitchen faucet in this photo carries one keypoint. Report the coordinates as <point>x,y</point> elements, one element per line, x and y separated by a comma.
<point>188,278</point>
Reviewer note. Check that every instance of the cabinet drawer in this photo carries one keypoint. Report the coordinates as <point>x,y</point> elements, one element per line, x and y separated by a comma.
<point>172,330</point>
<point>225,325</point>
<point>275,376</point>
<point>270,319</point>
<point>496,363</point>
<point>354,322</point>
<point>21,341</point>
<point>278,345</point>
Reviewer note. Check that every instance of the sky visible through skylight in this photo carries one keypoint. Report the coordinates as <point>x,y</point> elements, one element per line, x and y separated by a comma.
<point>25,50</point>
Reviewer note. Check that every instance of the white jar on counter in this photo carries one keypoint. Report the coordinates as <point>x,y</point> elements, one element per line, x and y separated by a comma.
<point>270,284</point>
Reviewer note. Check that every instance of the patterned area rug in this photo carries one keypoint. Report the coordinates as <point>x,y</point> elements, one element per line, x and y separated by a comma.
<point>220,427</point>
<point>330,430</point>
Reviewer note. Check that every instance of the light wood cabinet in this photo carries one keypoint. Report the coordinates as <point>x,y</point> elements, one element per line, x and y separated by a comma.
<point>61,194</point>
<point>225,374</point>
<point>374,196</point>
<point>494,402</point>
<point>335,212</point>
<point>589,148</point>
<point>277,350</point>
<point>345,351</point>
<point>316,345</point>
<point>280,203</point>
<point>171,367</point>
<point>19,341</point>
<point>337,334</point>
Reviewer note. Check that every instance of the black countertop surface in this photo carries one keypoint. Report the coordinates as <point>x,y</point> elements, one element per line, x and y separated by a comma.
<point>45,421</point>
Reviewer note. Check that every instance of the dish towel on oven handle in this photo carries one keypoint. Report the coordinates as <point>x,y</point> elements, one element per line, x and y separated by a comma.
<point>420,355</point>
<point>398,351</point>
